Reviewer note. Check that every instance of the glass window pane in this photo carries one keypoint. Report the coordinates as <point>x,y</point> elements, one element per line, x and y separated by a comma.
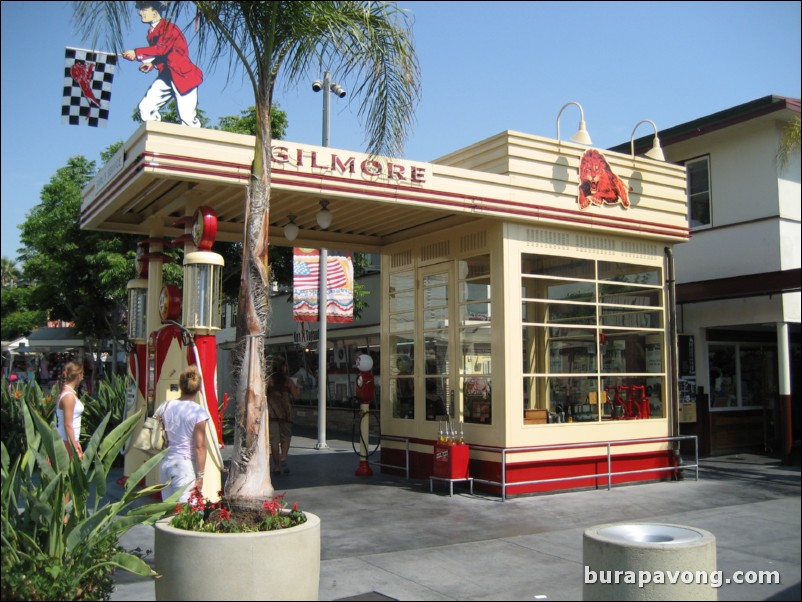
<point>436,352</point>
<point>631,318</point>
<point>475,313</point>
<point>558,290</point>
<point>632,351</point>
<point>569,313</point>
<point>627,272</point>
<point>630,295</point>
<point>574,352</point>
<point>566,398</point>
<point>628,398</point>
<point>401,300</point>
<point>436,395</point>
<point>698,177</point>
<point>476,356</point>
<point>402,322</point>
<point>757,389</point>
<point>434,280</point>
<point>435,318</point>
<point>723,376</point>
<point>699,207</point>
<point>474,291</point>
<point>698,180</point>
<point>402,281</point>
<point>474,267</point>
<point>402,398</point>
<point>402,350</point>
<point>477,400</point>
<point>565,267</point>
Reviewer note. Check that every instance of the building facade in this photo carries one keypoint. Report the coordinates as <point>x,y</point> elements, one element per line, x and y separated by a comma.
<point>738,278</point>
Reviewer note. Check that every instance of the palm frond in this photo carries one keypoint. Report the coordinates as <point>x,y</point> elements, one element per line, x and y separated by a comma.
<point>789,143</point>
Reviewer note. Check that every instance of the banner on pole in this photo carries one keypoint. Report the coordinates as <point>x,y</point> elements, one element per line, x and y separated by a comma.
<point>306,286</point>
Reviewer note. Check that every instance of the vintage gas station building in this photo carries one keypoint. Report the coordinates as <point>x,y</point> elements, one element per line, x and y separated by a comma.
<point>540,322</point>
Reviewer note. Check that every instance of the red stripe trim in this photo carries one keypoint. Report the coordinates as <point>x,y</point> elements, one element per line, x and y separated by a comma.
<point>396,192</point>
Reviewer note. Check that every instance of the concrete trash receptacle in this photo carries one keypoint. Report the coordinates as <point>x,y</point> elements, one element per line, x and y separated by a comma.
<point>632,561</point>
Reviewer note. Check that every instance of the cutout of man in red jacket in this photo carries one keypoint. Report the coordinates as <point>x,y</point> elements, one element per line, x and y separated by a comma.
<point>168,53</point>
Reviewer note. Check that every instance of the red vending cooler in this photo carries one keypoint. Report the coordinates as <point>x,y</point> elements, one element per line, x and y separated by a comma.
<point>451,460</point>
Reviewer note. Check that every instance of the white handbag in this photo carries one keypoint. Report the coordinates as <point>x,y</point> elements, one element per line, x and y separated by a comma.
<point>152,438</point>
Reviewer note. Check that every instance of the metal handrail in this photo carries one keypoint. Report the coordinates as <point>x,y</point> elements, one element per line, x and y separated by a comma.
<point>406,454</point>
<point>609,474</point>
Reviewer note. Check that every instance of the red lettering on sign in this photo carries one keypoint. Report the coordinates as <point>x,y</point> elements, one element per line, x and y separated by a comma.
<point>338,165</point>
<point>371,168</point>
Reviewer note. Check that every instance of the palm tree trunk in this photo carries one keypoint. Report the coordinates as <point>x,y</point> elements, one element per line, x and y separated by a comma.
<point>249,483</point>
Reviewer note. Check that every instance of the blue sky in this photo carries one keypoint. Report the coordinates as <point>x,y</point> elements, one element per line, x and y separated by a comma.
<point>486,67</point>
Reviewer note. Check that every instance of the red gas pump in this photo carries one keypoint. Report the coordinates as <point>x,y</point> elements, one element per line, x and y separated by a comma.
<point>176,345</point>
<point>202,318</point>
<point>139,395</point>
<point>137,353</point>
<point>364,391</point>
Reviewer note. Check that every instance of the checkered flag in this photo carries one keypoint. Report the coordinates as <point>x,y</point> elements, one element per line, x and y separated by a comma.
<point>87,87</point>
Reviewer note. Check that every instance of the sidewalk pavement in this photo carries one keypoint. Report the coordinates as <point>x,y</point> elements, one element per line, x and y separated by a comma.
<point>385,538</point>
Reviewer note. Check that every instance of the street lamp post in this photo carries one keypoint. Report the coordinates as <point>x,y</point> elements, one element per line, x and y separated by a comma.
<point>324,220</point>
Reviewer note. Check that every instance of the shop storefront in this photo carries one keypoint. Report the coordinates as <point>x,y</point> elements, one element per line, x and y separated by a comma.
<point>534,337</point>
<point>525,287</point>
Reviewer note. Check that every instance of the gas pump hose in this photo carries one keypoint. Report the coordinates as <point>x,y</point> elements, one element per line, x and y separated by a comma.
<point>356,428</point>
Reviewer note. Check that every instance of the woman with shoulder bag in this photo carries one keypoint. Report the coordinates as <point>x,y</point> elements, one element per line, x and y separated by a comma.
<point>185,428</point>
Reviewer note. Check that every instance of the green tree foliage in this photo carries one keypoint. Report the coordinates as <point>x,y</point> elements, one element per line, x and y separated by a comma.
<point>245,122</point>
<point>19,314</point>
<point>75,275</point>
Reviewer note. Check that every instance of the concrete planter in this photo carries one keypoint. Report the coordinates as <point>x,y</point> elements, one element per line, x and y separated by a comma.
<point>270,565</point>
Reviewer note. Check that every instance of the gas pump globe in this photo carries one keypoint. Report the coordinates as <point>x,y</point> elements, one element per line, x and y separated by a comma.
<point>138,310</point>
<point>203,276</point>
<point>202,303</point>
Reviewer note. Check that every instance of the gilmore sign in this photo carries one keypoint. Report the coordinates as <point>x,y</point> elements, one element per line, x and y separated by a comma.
<point>334,162</point>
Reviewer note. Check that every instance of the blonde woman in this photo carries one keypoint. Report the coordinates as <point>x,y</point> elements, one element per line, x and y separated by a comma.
<point>185,424</point>
<point>69,408</point>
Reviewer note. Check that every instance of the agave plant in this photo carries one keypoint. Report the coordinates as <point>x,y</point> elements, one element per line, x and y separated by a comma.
<point>109,400</point>
<point>59,529</point>
<point>15,396</point>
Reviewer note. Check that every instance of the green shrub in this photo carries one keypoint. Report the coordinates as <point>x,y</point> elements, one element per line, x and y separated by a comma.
<point>13,398</point>
<point>110,399</point>
<point>59,531</point>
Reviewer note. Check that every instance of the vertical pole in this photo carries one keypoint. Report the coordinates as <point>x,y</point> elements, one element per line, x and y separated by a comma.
<point>672,373</point>
<point>323,301</point>
<point>322,344</point>
<point>784,372</point>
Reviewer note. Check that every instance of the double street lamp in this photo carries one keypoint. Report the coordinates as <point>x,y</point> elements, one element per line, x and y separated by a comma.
<point>324,217</point>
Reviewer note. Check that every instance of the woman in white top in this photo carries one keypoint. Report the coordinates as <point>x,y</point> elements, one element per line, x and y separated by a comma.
<point>69,408</point>
<point>185,425</point>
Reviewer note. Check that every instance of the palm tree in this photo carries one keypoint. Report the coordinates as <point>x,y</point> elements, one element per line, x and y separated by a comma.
<point>11,273</point>
<point>369,42</point>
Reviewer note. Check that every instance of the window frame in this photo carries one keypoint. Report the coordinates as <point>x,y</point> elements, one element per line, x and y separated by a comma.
<point>593,292</point>
<point>709,191</point>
